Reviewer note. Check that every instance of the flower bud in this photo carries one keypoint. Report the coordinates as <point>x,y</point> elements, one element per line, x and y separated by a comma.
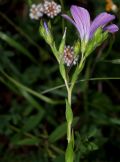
<point>45,32</point>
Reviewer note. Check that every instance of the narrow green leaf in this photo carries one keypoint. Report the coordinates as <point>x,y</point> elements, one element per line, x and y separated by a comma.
<point>82,80</point>
<point>62,44</point>
<point>9,85</point>
<point>116,61</point>
<point>115,121</point>
<point>69,155</point>
<point>27,141</point>
<point>32,122</point>
<point>17,45</point>
<point>61,130</point>
<point>21,86</point>
<point>32,101</point>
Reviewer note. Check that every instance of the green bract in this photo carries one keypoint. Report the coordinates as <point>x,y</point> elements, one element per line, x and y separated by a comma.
<point>96,41</point>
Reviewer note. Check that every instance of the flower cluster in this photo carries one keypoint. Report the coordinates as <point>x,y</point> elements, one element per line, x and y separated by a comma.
<point>69,56</point>
<point>36,11</point>
<point>91,33</point>
<point>49,8</point>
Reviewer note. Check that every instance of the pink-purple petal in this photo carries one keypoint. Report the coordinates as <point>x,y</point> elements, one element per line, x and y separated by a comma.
<point>77,18</point>
<point>100,21</point>
<point>111,28</point>
<point>82,19</point>
<point>68,18</point>
<point>72,21</point>
<point>85,16</point>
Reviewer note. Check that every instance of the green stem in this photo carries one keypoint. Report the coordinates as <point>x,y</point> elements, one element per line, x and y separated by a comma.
<point>69,118</point>
<point>69,96</point>
<point>69,155</point>
<point>77,72</point>
<point>69,131</point>
<point>69,90</point>
<point>86,86</point>
<point>69,114</point>
<point>69,124</point>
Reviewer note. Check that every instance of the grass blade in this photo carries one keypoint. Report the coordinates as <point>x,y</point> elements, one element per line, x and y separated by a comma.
<point>17,46</point>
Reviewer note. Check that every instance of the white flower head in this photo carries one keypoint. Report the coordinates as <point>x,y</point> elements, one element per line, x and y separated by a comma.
<point>69,56</point>
<point>36,11</point>
<point>51,9</point>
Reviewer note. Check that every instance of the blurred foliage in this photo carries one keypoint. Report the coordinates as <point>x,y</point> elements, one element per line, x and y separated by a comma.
<point>32,107</point>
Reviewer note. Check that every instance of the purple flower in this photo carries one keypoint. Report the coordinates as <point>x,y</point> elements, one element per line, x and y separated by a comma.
<point>86,28</point>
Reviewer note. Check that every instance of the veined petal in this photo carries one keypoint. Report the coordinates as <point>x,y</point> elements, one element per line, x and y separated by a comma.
<point>86,21</point>
<point>78,21</point>
<point>111,28</point>
<point>100,21</point>
<point>82,20</point>
<point>68,18</point>
<point>72,21</point>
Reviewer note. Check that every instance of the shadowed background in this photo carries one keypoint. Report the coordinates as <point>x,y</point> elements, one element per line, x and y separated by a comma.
<point>32,120</point>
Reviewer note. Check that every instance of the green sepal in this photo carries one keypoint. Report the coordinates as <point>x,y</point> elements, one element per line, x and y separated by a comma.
<point>96,41</point>
<point>68,113</point>
<point>90,48</point>
<point>83,46</point>
<point>77,47</point>
<point>98,33</point>
<point>105,35</point>
<point>98,37</point>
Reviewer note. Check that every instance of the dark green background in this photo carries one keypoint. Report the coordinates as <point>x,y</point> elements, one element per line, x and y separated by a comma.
<point>32,127</point>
